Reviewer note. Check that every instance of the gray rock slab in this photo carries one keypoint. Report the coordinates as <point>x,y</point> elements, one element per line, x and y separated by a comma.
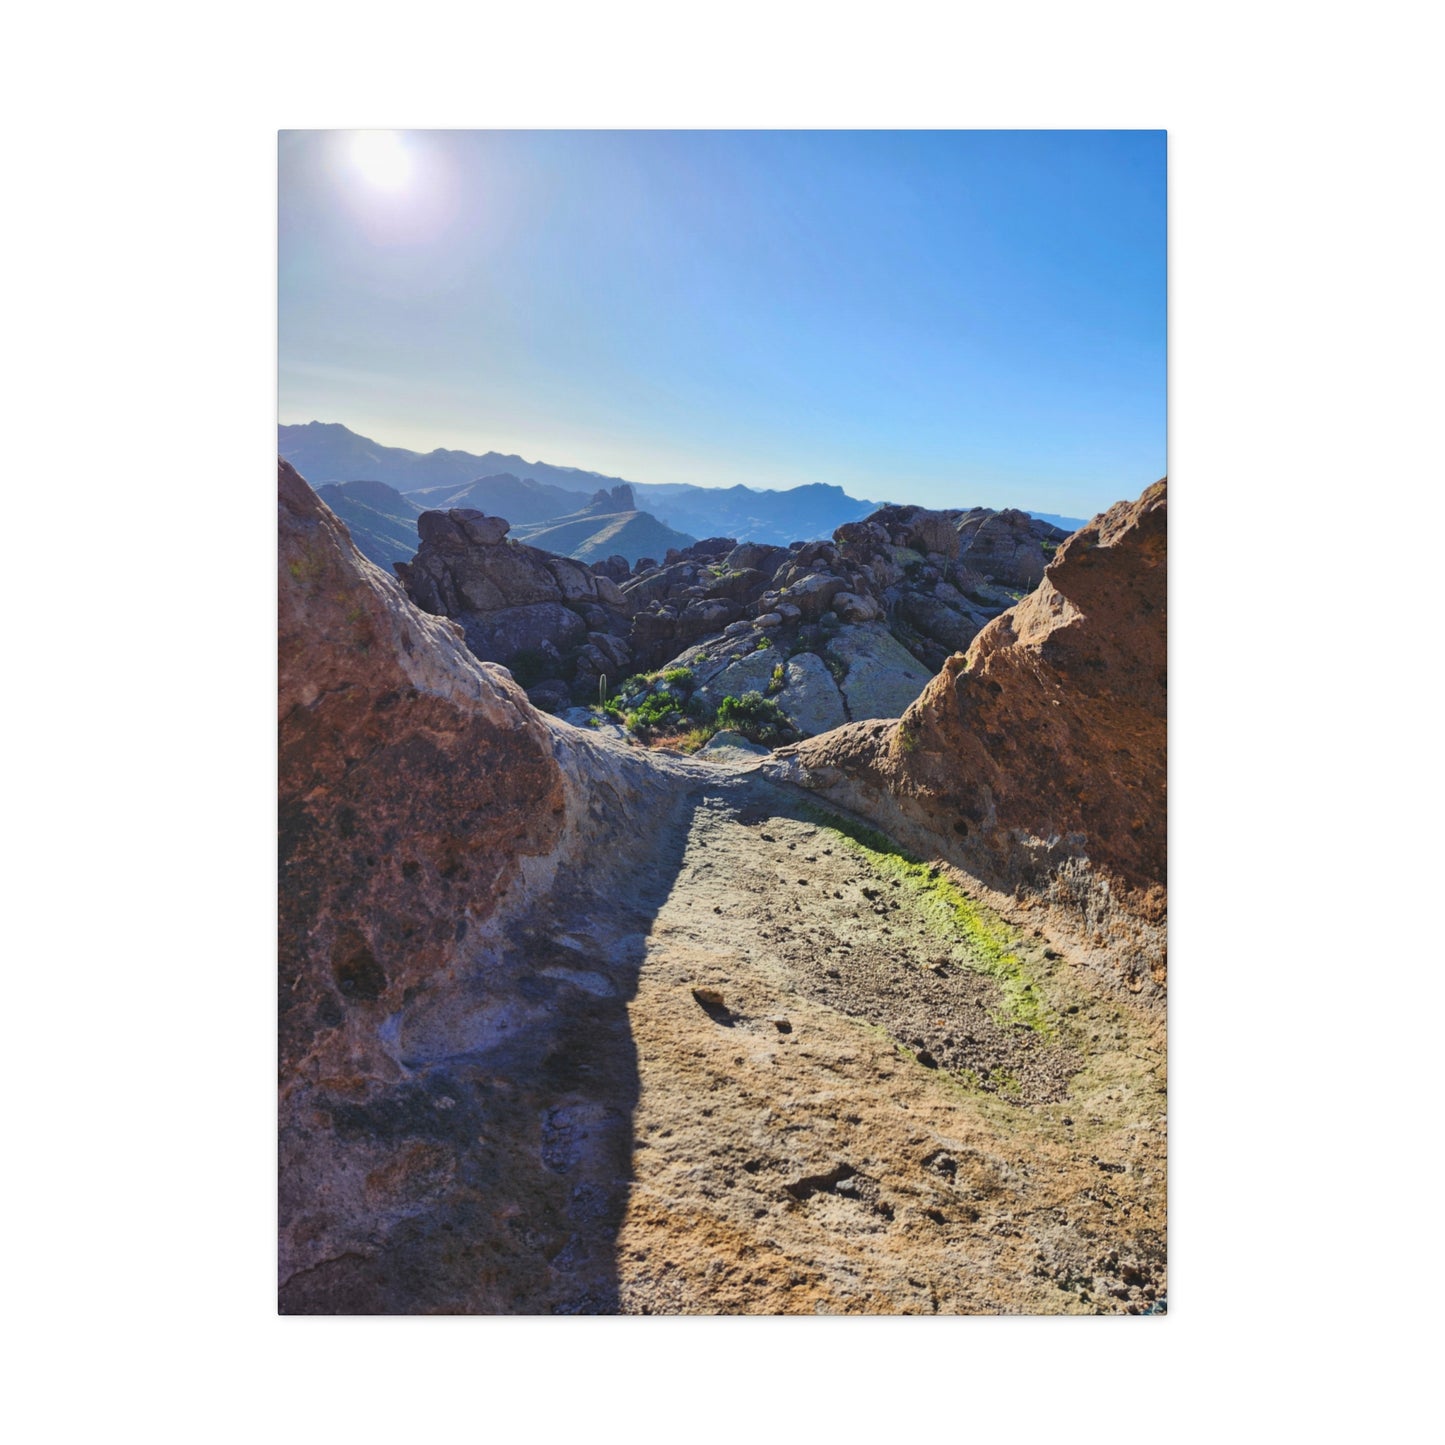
<point>810,696</point>
<point>882,677</point>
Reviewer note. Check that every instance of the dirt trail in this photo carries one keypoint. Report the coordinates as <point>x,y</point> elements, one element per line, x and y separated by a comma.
<point>857,1090</point>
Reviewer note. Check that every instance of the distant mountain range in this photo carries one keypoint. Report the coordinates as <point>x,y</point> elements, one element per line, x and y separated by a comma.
<point>379,491</point>
<point>504,485</point>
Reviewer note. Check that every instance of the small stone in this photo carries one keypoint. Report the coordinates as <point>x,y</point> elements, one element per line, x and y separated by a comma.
<point>783,1026</point>
<point>709,998</point>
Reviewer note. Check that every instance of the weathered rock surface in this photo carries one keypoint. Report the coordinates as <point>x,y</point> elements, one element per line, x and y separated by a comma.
<point>456,1078</point>
<point>810,696</point>
<point>1038,759</point>
<point>1008,547</point>
<point>881,678</point>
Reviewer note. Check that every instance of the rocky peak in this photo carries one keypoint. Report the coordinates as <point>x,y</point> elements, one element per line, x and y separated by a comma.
<point>614,499</point>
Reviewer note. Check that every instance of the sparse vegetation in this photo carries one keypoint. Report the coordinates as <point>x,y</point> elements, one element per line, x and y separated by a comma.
<point>985,938</point>
<point>678,677</point>
<point>757,718</point>
<point>776,682</point>
<point>698,737</point>
<point>638,682</point>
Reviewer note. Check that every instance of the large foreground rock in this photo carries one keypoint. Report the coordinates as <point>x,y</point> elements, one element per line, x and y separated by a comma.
<point>430,1044</point>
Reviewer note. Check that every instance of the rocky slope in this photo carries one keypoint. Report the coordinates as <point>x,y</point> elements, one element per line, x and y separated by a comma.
<point>544,616</point>
<point>1037,759</point>
<point>423,804</point>
<point>569,1027</point>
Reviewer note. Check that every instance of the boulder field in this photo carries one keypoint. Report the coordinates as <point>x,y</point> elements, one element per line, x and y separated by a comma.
<point>869,616</point>
<point>573,1027</point>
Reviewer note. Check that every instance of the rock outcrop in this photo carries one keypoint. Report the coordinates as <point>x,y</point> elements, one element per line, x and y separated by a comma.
<point>456,1084</point>
<point>1009,547</point>
<point>548,619</point>
<point>877,609</point>
<point>1038,757</point>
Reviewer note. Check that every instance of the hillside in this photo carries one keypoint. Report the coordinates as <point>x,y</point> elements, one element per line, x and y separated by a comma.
<point>330,452</point>
<point>798,514</point>
<point>509,486</point>
<point>592,536</point>
<point>381,521</point>
<point>520,500</point>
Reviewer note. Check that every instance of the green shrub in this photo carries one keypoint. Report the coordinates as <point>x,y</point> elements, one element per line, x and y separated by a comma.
<point>638,682</point>
<point>756,717</point>
<point>778,678</point>
<point>678,677</point>
<point>698,737</point>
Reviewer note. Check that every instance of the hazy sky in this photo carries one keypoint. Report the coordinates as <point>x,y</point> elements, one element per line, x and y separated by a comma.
<point>954,318</point>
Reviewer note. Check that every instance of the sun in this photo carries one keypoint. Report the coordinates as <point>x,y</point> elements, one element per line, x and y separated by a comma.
<point>381,158</point>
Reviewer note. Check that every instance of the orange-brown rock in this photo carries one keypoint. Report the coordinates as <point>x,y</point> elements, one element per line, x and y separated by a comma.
<point>1037,758</point>
<point>412,780</point>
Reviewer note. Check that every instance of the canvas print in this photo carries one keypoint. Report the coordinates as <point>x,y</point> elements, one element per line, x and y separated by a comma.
<point>722,722</point>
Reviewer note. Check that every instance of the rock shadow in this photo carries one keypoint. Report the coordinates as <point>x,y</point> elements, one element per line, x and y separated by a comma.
<point>491,1174</point>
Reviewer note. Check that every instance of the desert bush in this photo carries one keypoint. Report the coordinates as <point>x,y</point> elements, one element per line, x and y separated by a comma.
<point>756,717</point>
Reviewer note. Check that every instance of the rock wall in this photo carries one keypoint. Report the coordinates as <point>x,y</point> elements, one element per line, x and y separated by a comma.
<point>424,808</point>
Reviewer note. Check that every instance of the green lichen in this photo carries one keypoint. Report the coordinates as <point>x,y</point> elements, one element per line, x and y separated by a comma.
<point>989,946</point>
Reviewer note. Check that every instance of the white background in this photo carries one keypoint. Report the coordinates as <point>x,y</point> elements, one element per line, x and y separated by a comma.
<point>1305,397</point>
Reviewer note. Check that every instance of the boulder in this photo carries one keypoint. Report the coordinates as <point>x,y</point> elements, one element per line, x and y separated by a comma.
<point>850,607</point>
<point>881,677</point>
<point>751,672</point>
<point>503,635</point>
<point>933,532</point>
<point>810,696</point>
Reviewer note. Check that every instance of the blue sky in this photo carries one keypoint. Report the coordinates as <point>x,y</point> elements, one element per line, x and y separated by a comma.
<point>953,318</point>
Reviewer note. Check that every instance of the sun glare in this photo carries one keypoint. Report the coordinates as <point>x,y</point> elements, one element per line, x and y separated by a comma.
<point>381,158</point>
